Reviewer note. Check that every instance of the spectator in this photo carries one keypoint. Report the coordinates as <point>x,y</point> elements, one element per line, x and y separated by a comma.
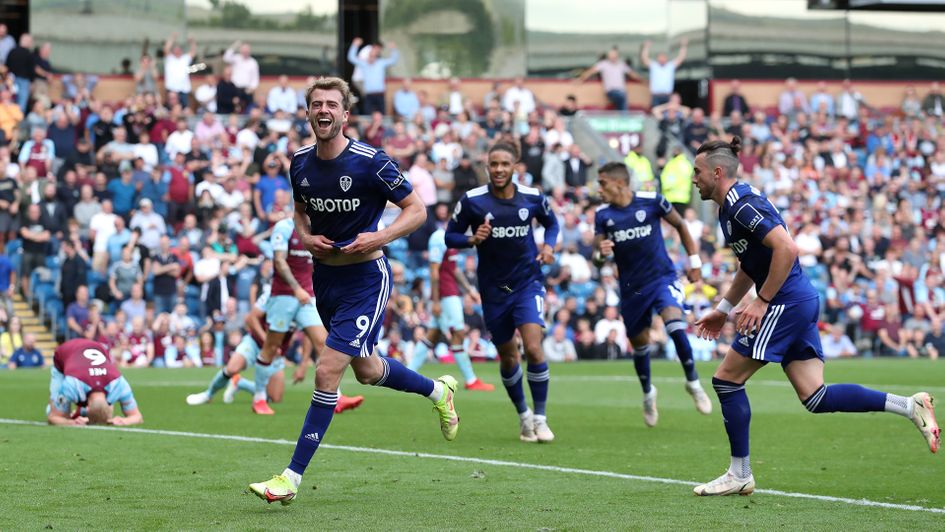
<point>734,101</point>
<point>123,275</point>
<point>245,70</point>
<point>150,223</point>
<point>73,270</point>
<point>146,76</point>
<point>271,181</point>
<point>229,98</point>
<point>934,342</point>
<point>613,76</point>
<point>20,63</point>
<point>934,102</point>
<point>676,181</point>
<point>206,94</point>
<point>166,269</point>
<point>557,347</point>
<point>519,99</point>
<point>9,207</point>
<point>180,141</point>
<point>43,72</point>
<point>792,101</point>
<point>281,97</point>
<point>35,244</point>
<point>374,72</point>
<point>836,344</point>
<point>849,101</point>
<point>611,323</point>
<point>77,312</point>
<point>445,182</point>
<point>180,189</point>
<point>422,179</point>
<point>135,306</point>
<point>177,68</point>
<point>10,116</point>
<point>62,133</point>
<point>53,213</point>
<point>911,105</point>
<point>38,152</point>
<point>27,356</point>
<point>12,338</point>
<point>662,72</point>
<point>137,346</point>
<point>406,102</point>
<point>7,43</point>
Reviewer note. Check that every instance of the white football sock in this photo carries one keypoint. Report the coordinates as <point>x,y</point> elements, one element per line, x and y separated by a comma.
<point>898,404</point>
<point>293,477</point>
<point>741,467</point>
<point>437,392</point>
<point>525,414</point>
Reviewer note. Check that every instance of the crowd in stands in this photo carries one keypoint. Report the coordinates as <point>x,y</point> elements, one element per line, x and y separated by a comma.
<point>149,217</point>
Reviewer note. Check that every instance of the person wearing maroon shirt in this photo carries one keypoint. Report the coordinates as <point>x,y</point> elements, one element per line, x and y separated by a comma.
<point>85,376</point>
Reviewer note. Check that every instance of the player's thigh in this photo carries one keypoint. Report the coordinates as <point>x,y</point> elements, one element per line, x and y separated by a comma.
<point>280,312</point>
<point>331,367</point>
<point>499,321</point>
<point>236,364</point>
<point>509,355</point>
<point>276,387</point>
<point>806,376</point>
<point>637,313</point>
<point>451,317</point>
<point>670,300</point>
<point>359,310</point>
<point>737,368</point>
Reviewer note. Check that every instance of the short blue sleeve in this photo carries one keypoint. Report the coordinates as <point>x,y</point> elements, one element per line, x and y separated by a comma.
<point>119,391</point>
<point>394,185</point>
<point>281,234</point>
<point>665,206</point>
<point>437,246</point>
<point>756,214</point>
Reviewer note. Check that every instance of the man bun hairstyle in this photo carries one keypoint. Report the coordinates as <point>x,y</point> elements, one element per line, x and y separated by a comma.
<point>719,153</point>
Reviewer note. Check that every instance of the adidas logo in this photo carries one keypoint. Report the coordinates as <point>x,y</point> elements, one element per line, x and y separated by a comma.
<point>355,343</point>
<point>313,437</point>
<point>304,182</point>
<point>610,223</point>
<point>744,341</point>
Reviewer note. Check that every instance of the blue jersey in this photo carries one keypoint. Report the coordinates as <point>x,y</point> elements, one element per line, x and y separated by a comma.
<point>639,250</point>
<point>346,196</point>
<point>507,257</point>
<point>66,390</point>
<point>747,216</point>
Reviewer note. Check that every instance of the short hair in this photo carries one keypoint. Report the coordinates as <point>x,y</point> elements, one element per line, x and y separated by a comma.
<point>98,409</point>
<point>616,169</point>
<point>506,147</point>
<point>327,84</point>
<point>722,154</point>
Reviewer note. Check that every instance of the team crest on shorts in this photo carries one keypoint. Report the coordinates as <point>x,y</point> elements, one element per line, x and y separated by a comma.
<point>641,215</point>
<point>728,225</point>
<point>523,214</point>
<point>345,183</point>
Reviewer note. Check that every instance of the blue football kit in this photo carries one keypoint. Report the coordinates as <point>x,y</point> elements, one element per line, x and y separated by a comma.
<point>648,279</point>
<point>788,329</point>
<point>510,279</point>
<point>344,197</point>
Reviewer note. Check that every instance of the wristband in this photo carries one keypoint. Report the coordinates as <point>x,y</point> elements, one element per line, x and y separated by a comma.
<point>761,297</point>
<point>695,262</point>
<point>724,307</point>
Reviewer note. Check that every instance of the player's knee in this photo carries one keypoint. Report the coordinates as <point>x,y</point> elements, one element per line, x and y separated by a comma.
<point>814,402</point>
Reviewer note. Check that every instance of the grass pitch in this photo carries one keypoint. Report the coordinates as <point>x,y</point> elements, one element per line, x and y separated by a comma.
<point>79,478</point>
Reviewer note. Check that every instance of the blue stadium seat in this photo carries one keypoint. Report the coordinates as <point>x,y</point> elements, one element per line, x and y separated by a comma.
<point>13,247</point>
<point>244,281</point>
<point>52,262</point>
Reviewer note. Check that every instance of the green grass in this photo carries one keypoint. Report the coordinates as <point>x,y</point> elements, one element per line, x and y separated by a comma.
<point>113,479</point>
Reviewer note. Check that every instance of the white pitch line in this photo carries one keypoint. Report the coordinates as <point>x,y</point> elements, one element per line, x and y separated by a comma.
<point>774,383</point>
<point>486,461</point>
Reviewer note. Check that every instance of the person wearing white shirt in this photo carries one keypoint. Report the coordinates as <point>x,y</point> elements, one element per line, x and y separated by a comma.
<point>101,228</point>
<point>146,151</point>
<point>206,94</point>
<point>180,140</point>
<point>611,322</point>
<point>210,184</point>
<point>231,197</point>
<point>557,347</point>
<point>150,223</point>
<point>521,94</point>
<point>282,97</point>
<point>245,69</point>
<point>177,68</point>
<point>662,72</point>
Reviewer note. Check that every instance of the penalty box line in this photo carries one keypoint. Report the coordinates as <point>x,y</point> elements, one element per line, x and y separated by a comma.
<point>487,461</point>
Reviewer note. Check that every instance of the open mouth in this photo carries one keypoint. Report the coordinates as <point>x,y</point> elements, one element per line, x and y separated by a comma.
<point>323,122</point>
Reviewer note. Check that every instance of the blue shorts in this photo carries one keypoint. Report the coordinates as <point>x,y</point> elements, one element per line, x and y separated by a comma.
<point>788,332</point>
<point>451,314</point>
<point>353,300</point>
<point>525,305</point>
<point>282,311</point>
<point>248,349</point>
<point>638,308</point>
